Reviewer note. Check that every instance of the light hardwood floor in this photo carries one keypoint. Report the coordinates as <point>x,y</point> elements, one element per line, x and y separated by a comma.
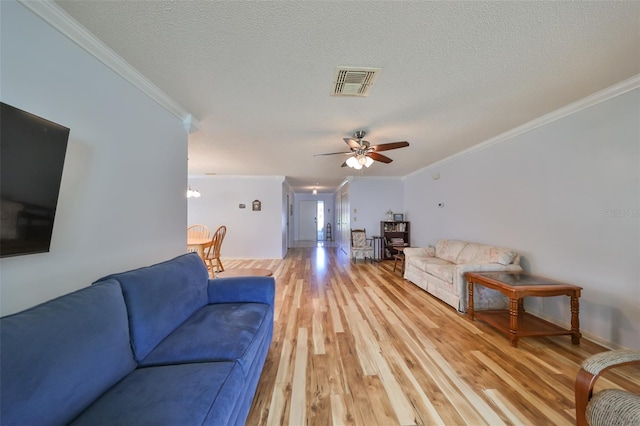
<point>355,344</point>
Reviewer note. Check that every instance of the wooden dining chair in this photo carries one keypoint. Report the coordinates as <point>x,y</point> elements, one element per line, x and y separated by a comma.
<point>198,231</point>
<point>212,257</point>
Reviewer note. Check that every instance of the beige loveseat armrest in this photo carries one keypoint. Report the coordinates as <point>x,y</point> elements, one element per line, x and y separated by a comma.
<point>460,282</point>
<point>419,251</point>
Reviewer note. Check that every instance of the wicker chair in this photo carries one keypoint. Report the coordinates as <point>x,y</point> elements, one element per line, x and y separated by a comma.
<point>610,407</point>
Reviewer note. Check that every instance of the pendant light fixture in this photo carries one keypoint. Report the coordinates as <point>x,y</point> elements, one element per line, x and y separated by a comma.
<point>193,193</point>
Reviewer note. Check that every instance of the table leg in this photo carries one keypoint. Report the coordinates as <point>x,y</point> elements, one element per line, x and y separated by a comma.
<point>470,301</point>
<point>575,320</point>
<point>513,321</point>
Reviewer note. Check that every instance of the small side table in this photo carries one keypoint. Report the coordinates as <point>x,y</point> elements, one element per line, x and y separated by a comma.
<point>399,256</point>
<point>377,247</point>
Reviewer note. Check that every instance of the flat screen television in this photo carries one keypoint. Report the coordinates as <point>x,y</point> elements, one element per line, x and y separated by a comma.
<point>32,152</point>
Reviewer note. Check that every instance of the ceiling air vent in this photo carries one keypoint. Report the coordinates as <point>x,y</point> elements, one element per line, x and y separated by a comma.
<point>353,81</point>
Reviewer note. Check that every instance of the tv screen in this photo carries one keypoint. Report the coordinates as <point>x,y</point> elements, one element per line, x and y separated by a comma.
<point>32,152</point>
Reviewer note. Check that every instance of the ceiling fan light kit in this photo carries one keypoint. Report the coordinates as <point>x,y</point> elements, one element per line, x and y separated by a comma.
<point>363,154</point>
<point>359,160</point>
<point>356,162</point>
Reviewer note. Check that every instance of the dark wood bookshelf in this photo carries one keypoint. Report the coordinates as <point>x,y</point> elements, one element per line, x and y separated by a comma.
<point>394,234</point>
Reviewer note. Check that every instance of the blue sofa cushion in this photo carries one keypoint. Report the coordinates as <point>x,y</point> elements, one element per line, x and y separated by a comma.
<point>225,331</point>
<point>186,394</point>
<point>58,357</point>
<point>161,297</point>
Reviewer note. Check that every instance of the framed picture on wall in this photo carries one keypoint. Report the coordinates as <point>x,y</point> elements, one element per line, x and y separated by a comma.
<point>398,217</point>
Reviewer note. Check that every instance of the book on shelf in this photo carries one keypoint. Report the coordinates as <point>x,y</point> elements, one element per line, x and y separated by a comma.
<point>395,227</point>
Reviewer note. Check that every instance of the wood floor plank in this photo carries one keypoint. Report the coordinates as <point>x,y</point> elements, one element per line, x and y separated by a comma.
<point>432,416</point>
<point>318,332</point>
<point>356,344</point>
<point>335,314</point>
<point>298,412</point>
<point>338,412</point>
<point>512,413</point>
<point>522,390</point>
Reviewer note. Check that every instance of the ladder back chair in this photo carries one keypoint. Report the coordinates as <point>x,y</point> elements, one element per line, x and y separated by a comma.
<point>212,258</point>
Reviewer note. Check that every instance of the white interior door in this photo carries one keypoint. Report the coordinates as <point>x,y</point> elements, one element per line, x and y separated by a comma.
<point>345,219</point>
<point>307,224</point>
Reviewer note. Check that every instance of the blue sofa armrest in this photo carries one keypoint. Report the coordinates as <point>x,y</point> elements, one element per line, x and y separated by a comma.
<point>242,289</point>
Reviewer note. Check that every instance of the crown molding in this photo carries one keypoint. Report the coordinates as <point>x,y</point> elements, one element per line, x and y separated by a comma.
<point>574,107</point>
<point>278,178</point>
<point>60,20</point>
<point>389,178</point>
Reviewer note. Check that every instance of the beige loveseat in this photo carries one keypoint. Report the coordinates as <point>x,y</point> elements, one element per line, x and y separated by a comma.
<point>440,271</point>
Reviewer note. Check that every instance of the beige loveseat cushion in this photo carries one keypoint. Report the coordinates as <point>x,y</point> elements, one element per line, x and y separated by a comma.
<point>423,262</point>
<point>442,271</point>
<point>482,254</point>
<point>449,249</point>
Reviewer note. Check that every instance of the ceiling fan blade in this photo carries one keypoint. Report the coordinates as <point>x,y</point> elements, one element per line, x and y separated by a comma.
<point>388,146</point>
<point>333,153</point>
<point>344,164</point>
<point>379,157</point>
<point>353,144</point>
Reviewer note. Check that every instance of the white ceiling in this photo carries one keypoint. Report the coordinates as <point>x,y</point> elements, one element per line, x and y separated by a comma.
<point>257,75</point>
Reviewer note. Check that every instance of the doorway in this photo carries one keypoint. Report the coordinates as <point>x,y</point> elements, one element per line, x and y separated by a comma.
<point>320,236</point>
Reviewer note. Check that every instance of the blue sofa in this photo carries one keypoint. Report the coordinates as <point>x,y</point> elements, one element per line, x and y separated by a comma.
<point>160,345</point>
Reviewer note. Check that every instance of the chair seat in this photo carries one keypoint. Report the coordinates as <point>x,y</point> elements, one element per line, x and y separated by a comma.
<point>614,407</point>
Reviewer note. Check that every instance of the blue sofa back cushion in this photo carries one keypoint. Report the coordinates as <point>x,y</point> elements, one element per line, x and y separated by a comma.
<point>161,297</point>
<point>58,357</point>
<point>242,289</point>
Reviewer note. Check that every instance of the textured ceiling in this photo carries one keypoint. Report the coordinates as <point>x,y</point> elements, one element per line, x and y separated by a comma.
<point>257,75</point>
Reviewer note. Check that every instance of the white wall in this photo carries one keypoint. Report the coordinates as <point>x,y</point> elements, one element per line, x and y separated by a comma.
<point>250,234</point>
<point>566,195</point>
<point>122,202</point>
<point>370,198</point>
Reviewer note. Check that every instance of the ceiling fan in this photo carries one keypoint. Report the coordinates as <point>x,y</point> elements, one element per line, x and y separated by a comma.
<point>363,153</point>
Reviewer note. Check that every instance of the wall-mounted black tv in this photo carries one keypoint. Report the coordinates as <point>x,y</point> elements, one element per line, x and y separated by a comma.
<point>32,152</point>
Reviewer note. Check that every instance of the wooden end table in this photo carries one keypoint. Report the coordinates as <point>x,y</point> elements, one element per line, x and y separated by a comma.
<point>515,321</point>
